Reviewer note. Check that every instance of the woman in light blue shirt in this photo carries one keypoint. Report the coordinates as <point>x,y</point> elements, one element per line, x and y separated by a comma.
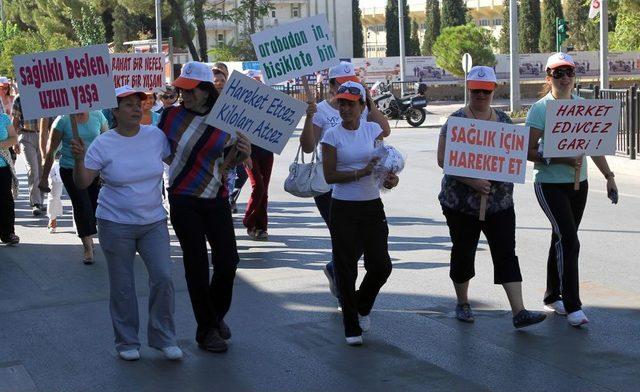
<point>554,186</point>
<point>8,138</point>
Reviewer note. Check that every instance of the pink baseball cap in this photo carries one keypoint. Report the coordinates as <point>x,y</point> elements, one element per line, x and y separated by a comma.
<point>560,60</point>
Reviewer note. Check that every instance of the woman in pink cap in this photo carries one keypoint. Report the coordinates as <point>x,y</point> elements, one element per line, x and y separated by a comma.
<point>131,219</point>
<point>554,186</point>
<point>460,201</point>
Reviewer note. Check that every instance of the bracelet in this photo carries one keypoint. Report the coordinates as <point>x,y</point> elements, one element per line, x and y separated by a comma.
<point>609,175</point>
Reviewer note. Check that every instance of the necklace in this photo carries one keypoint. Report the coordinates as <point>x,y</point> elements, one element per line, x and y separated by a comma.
<point>476,117</point>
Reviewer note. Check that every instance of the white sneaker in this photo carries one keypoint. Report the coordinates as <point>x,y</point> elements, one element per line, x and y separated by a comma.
<point>129,355</point>
<point>557,307</point>
<point>577,318</point>
<point>172,353</point>
<point>354,340</point>
<point>365,323</point>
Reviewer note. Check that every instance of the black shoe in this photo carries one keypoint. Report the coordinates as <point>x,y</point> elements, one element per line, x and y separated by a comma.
<point>524,318</point>
<point>225,332</point>
<point>464,313</point>
<point>11,239</point>
<point>213,342</point>
<point>36,211</point>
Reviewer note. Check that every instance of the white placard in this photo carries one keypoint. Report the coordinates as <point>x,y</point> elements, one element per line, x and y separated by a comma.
<point>141,71</point>
<point>266,116</point>
<point>486,149</point>
<point>65,81</point>
<point>295,49</point>
<point>581,126</point>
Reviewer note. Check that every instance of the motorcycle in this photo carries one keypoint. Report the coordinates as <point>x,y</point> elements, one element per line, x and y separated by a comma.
<point>410,107</point>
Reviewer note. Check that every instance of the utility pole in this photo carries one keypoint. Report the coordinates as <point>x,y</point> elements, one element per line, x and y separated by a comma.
<point>515,56</point>
<point>158,25</point>
<point>401,28</point>
<point>604,45</point>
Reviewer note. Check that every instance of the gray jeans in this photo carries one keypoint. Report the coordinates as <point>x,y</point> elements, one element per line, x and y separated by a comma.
<point>119,243</point>
<point>31,152</point>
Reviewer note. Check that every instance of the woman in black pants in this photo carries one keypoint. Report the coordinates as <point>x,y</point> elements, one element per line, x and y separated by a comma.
<point>358,222</point>
<point>199,201</point>
<point>554,186</point>
<point>460,201</point>
<point>84,201</point>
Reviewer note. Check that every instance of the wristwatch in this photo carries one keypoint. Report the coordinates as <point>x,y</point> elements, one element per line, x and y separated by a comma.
<point>609,175</point>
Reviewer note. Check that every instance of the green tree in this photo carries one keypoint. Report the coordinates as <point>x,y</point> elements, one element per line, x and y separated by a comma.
<point>504,40</point>
<point>358,37</point>
<point>626,37</point>
<point>431,26</point>
<point>454,13</point>
<point>583,32</point>
<point>552,9</point>
<point>29,42</point>
<point>88,28</point>
<point>529,26</point>
<point>413,49</point>
<point>453,42</point>
<point>392,28</point>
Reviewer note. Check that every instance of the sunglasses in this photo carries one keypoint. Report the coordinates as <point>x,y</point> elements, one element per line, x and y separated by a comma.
<point>348,89</point>
<point>560,73</point>
<point>480,91</point>
<point>168,96</point>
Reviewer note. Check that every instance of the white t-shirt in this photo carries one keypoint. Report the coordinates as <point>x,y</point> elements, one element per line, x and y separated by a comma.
<point>327,117</point>
<point>354,150</point>
<point>131,169</point>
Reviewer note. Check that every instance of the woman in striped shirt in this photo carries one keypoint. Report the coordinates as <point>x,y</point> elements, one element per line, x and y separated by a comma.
<point>198,197</point>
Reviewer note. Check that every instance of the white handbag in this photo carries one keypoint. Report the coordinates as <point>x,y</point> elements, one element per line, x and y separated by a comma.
<point>306,179</point>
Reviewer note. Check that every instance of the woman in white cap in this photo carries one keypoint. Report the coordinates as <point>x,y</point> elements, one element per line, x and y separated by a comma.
<point>358,222</point>
<point>554,186</point>
<point>6,98</point>
<point>83,201</point>
<point>324,116</point>
<point>199,201</point>
<point>460,201</point>
<point>131,219</point>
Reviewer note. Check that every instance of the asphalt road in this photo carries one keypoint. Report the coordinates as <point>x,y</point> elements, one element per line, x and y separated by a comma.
<point>55,329</point>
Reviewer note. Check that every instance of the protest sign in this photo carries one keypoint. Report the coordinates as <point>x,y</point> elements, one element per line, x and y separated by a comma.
<point>581,127</point>
<point>295,49</point>
<point>266,116</point>
<point>486,149</point>
<point>64,81</point>
<point>141,71</point>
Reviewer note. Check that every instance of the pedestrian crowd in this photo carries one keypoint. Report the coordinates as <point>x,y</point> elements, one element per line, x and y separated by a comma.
<point>154,159</point>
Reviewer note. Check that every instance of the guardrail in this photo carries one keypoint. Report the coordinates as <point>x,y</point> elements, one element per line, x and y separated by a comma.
<point>628,142</point>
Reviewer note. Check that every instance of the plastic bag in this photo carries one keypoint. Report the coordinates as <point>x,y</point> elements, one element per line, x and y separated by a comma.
<point>390,160</point>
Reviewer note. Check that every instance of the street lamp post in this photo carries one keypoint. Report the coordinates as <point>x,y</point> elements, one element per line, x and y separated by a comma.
<point>401,28</point>
<point>158,25</point>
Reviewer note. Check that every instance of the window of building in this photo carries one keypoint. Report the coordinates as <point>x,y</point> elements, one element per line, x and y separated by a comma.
<point>273,13</point>
<point>220,38</point>
<point>497,22</point>
<point>484,22</point>
<point>295,10</point>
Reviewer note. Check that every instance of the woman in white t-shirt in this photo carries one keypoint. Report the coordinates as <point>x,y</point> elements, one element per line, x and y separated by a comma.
<point>324,116</point>
<point>131,219</point>
<point>358,222</point>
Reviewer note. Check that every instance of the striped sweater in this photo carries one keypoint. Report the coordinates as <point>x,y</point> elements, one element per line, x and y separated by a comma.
<point>198,151</point>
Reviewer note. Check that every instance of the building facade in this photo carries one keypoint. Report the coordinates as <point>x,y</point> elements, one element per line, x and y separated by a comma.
<point>484,13</point>
<point>338,14</point>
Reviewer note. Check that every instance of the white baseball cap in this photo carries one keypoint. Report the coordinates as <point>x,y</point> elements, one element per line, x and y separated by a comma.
<point>481,78</point>
<point>253,73</point>
<point>192,74</point>
<point>343,72</point>
<point>4,80</point>
<point>126,90</point>
<point>560,59</point>
<point>351,91</point>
